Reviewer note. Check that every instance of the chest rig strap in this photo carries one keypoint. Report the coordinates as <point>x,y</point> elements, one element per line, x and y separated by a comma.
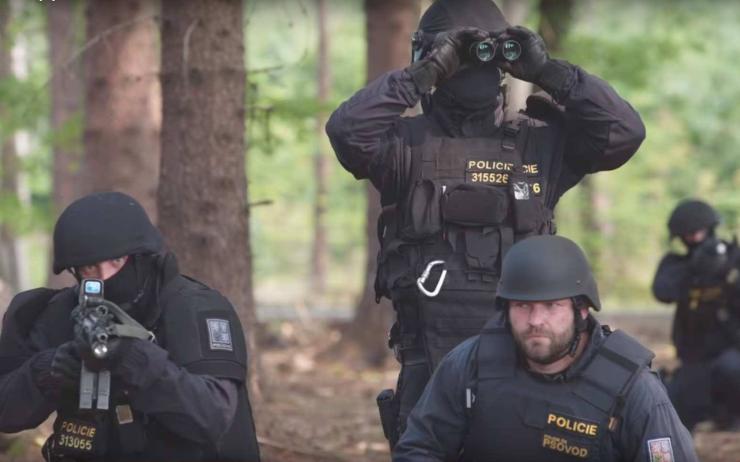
<point>496,353</point>
<point>608,378</point>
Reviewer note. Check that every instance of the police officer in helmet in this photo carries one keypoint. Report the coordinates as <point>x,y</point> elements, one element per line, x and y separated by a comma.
<point>703,283</point>
<point>460,184</point>
<point>544,381</point>
<point>178,394</point>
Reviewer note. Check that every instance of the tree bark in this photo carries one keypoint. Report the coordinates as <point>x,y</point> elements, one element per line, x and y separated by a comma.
<point>8,164</point>
<point>122,98</point>
<point>319,254</point>
<point>390,24</point>
<point>203,188</point>
<point>63,25</point>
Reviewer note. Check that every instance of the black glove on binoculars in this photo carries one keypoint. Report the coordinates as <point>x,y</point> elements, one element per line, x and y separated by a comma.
<point>447,52</point>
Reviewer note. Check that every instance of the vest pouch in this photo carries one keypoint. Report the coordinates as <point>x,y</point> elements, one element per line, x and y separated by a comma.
<point>393,269</point>
<point>469,205</point>
<point>130,426</point>
<point>482,248</point>
<point>423,217</point>
<point>80,436</point>
<point>459,312</point>
<point>529,210</point>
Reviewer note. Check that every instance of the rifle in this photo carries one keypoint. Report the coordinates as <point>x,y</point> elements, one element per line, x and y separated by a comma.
<point>98,320</point>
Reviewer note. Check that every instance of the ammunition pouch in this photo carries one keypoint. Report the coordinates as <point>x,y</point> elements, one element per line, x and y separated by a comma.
<point>422,218</point>
<point>471,205</point>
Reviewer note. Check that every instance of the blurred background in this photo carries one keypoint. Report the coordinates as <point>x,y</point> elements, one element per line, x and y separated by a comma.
<point>95,95</point>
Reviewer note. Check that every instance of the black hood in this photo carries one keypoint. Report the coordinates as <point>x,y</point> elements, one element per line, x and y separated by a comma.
<point>445,14</point>
<point>470,97</point>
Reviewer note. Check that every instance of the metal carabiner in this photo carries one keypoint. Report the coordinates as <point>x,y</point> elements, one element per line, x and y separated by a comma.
<point>423,278</point>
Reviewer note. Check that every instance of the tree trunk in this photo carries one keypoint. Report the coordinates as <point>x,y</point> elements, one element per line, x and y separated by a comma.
<point>390,24</point>
<point>122,97</point>
<point>8,164</point>
<point>319,254</point>
<point>63,25</point>
<point>203,188</point>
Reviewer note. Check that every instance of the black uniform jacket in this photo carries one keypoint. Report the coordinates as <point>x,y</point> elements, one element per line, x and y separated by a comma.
<point>603,130</point>
<point>438,425</point>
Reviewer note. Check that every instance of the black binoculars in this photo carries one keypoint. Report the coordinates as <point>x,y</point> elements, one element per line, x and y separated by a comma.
<point>486,50</point>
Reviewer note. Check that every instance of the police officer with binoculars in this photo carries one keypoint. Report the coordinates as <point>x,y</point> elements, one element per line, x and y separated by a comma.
<point>460,184</point>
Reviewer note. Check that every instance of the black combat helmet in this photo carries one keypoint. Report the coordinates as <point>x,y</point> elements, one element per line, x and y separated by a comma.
<point>690,216</point>
<point>103,226</point>
<point>546,268</point>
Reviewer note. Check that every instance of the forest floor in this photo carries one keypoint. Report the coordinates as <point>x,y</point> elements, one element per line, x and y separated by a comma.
<point>318,406</point>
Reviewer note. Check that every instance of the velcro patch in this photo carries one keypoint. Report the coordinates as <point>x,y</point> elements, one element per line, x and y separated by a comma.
<point>219,334</point>
<point>660,450</point>
<point>76,437</point>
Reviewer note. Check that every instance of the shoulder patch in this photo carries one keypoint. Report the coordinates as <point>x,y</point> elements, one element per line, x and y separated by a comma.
<point>219,334</point>
<point>660,450</point>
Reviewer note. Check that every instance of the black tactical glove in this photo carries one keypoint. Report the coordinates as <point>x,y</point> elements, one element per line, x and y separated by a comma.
<point>57,369</point>
<point>709,260</point>
<point>447,53</point>
<point>534,65</point>
<point>117,348</point>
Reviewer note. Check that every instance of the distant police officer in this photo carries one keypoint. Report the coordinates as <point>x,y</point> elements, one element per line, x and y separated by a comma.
<point>545,381</point>
<point>179,397</point>
<point>705,286</point>
<point>459,184</point>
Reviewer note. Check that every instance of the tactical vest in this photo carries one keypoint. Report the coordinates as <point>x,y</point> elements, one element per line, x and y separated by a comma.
<point>518,416</point>
<point>447,224</point>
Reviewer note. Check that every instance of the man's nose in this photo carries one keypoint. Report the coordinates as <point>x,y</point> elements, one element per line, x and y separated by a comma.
<point>537,315</point>
<point>106,271</point>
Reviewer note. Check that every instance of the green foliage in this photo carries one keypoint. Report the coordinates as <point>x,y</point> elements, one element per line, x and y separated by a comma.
<point>24,107</point>
<point>674,61</point>
<point>282,46</point>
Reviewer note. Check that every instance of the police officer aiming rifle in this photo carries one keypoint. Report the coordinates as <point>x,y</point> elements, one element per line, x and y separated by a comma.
<point>704,283</point>
<point>164,355</point>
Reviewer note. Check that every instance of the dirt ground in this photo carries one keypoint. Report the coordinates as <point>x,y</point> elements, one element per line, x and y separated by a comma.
<point>318,407</point>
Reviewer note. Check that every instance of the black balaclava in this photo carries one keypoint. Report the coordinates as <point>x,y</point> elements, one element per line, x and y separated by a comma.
<point>132,286</point>
<point>474,90</point>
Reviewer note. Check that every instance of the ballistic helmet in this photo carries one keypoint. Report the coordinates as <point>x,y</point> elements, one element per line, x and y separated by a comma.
<point>546,268</point>
<point>103,226</point>
<point>691,215</point>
